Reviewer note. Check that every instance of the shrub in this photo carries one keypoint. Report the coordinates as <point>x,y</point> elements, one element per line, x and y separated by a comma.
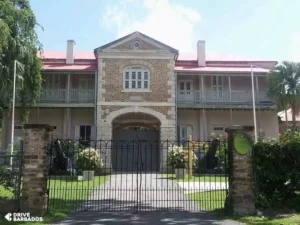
<point>277,169</point>
<point>89,159</point>
<point>178,157</point>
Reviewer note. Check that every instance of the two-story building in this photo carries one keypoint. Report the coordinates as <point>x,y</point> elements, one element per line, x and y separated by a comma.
<point>139,88</point>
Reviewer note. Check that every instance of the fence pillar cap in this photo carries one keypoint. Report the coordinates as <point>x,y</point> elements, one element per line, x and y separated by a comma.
<point>38,126</point>
<point>239,128</point>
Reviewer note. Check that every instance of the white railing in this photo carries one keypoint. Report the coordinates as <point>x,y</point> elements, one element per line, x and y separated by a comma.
<point>62,96</point>
<point>82,96</point>
<point>221,96</point>
<point>50,96</point>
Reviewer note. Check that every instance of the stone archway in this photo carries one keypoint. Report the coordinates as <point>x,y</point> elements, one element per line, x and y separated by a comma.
<point>136,143</point>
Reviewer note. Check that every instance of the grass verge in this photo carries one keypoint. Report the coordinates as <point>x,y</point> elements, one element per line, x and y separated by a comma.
<point>209,200</point>
<point>66,193</point>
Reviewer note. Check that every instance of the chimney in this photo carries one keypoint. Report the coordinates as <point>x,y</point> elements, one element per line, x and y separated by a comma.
<point>201,53</point>
<point>70,51</point>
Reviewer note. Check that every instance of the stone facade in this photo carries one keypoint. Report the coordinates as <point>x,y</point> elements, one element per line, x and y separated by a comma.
<point>143,45</point>
<point>113,101</point>
<point>34,190</point>
<point>241,199</point>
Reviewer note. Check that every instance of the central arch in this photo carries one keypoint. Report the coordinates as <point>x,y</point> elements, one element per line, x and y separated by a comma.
<point>136,142</point>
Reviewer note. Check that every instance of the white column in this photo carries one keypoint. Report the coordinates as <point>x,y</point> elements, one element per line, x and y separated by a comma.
<point>204,124</point>
<point>257,99</point>
<point>69,122</point>
<point>230,99</point>
<point>68,88</point>
<point>202,89</point>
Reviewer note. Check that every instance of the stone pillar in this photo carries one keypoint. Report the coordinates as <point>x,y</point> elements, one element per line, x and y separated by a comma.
<point>34,191</point>
<point>241,198</point>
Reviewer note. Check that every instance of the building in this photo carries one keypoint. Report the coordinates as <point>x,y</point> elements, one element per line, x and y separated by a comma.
<point>287,123</point>
<point>138,87</point>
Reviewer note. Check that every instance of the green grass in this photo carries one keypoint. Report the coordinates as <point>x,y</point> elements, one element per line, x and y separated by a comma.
<point>209,200</point>
<point>252,220</point>
<point>199,178</point>
<point>66,193</point>
<point>6,194</point>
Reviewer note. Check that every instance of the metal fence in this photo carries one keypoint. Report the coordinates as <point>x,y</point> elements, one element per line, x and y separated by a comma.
<point>11,166</point>
<point>137,175</point>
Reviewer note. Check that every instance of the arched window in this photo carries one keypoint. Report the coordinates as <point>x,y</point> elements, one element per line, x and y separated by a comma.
<point>136,79</point>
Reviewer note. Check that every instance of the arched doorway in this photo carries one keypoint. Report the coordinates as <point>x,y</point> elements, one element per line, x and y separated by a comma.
<point>136,143</point>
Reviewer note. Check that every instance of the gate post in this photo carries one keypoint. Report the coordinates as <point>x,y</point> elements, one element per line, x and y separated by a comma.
<point>241,198</point>
<point>34,191</point>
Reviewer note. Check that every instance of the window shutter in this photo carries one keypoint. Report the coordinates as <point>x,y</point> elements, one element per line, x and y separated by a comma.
<point>77,133</point>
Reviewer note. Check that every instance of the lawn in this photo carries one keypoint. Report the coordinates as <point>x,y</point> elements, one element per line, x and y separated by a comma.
<point>252,220</point>
<point>199,178</point>
<point>209,200</point>
<point>6,194</point>
<point>66,193</point>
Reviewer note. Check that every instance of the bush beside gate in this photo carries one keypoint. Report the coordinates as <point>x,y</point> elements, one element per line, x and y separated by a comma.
<point>277,171</point>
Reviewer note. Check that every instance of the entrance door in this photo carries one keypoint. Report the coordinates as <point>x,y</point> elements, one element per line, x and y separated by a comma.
<point>135,150</point>
<point>217,87</point>
<point>185,91</point>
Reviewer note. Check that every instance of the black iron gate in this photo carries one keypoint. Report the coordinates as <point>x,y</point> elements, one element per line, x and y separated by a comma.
<point>144,176</point>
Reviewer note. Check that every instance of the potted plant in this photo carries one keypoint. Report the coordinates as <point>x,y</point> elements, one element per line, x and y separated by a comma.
<point>88,161</point>
<point>176,159</point>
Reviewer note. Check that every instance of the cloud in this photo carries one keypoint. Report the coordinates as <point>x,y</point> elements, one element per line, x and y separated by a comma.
<point>294,51</point>
<point>170,23</point>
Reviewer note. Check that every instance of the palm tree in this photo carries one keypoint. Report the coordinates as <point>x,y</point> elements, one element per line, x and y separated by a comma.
<point>284,87</point>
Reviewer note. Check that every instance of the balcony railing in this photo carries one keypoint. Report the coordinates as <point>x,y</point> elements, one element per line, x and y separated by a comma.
<point>237,97</point>
<point>63,96</point>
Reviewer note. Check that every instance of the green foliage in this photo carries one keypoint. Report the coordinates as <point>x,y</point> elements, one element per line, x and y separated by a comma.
<point>89,159</point>
<point>178,157</point>
<point>277,169</point>
<point>284,87</point>
<point>18,41</point>
<point>7,178</point>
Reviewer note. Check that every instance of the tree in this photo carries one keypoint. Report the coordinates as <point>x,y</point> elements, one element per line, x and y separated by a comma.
<point>18,41</point>
<point>284,87</point>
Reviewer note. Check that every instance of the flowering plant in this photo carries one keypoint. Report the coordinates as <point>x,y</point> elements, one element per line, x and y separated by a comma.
<point>178,157</point>
<point>89,159</point>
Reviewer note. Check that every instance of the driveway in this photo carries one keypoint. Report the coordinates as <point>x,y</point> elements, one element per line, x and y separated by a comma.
<point>139,192</point>
<point>158,202</point>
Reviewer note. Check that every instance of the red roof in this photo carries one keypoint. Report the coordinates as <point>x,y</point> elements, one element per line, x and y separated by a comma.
<point>62,55</point>
<point>219,69</point>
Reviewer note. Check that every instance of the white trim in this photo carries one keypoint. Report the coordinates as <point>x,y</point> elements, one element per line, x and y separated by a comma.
<point>161,117</point>
<point>137,103</point>
<point>136,55</point>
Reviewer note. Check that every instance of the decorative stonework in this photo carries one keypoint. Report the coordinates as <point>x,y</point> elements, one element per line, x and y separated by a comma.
<point>34,192</point>
<point>132,45</point>
<point>241,199</point>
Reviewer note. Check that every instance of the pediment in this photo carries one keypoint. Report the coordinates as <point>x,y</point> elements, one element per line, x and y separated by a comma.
<point>136,42</point>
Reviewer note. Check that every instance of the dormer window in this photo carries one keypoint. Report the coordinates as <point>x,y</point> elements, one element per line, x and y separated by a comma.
<point>136,79</point>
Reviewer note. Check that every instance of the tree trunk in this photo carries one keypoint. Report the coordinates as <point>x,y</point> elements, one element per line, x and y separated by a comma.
<point>294,118</point>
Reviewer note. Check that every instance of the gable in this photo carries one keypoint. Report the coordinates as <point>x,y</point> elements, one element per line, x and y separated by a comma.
<point>136,44</point>
<point>136,41</point>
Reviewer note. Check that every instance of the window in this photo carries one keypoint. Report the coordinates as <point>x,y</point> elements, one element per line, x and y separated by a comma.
<point>218,128</point>
<point>85,132</point>
<point>185,132</point>
<point>136,78</point>
<point>85,84</point>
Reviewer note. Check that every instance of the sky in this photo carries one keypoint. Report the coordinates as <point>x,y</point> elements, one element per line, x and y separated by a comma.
<point>253,29</point>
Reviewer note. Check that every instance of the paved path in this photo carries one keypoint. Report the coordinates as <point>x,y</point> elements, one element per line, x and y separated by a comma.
<point>192,187</point>
<point>145,218</point>
<point>139,192</point>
